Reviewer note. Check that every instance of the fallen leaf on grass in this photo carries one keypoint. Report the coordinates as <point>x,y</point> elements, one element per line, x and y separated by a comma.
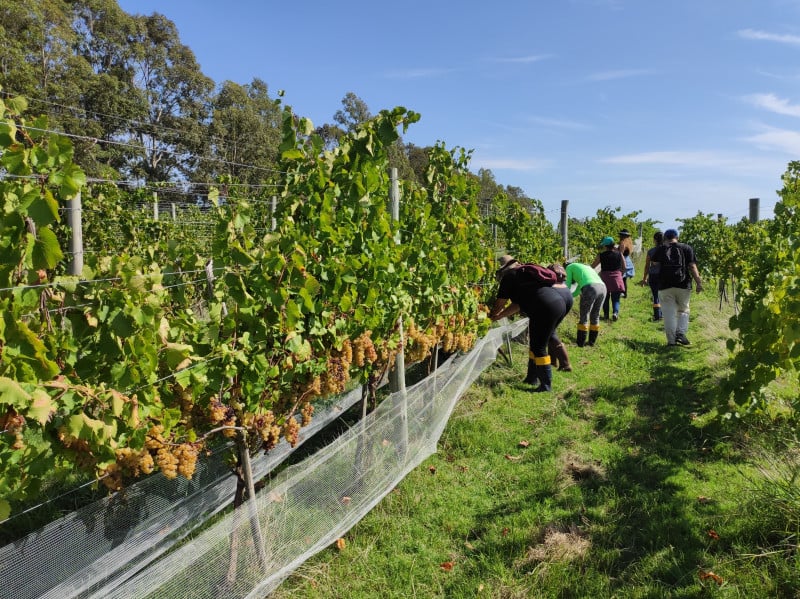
<point>340,544</point>
<point>713,534</point>
<point>432,469</point>
<point>703,499</point>
<point>469,546</point>
<point>505,532</point>
<point>463,468</point>
<point>715,577</point>
<point>447,566</point>
<point>658,427</point>
<point>386,442</point>
<point>346,500</point>
<point>513,458</point>
<point>524,443</point>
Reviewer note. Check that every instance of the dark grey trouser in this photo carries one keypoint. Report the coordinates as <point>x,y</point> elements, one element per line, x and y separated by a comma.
<point>592,296</point>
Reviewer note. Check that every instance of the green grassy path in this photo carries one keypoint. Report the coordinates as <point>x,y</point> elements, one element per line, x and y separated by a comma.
<point>606,487</point>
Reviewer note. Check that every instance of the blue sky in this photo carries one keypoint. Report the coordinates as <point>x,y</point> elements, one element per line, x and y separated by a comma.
<point>668,107</point>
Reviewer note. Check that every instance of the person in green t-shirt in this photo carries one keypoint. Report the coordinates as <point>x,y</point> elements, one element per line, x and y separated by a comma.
<point>592,290</point>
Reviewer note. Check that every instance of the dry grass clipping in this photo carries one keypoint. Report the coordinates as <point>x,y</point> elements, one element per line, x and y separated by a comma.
<point>558,544</point>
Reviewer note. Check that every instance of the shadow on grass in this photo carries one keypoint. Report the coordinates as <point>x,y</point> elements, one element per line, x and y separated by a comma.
<point>643,530</point>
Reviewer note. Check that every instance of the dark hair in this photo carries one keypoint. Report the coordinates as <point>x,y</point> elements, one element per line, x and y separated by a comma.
<point>658,237</point>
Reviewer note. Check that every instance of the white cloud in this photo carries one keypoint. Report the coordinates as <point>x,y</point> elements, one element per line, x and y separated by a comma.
<point>783,140</point>
<point>775,104</point>
<point>702,159</point>
<point>619,74</point>
<point>752,34</point>
<point>742,165</point>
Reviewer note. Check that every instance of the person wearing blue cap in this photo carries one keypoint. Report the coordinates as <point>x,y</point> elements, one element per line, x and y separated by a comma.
<point>677,268</point>
<point>612,269</point>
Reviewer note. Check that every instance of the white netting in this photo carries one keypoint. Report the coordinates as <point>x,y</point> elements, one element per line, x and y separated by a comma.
<point>119,548</point>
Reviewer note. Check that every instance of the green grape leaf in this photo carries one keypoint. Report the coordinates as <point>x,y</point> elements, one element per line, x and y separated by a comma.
<point>46,250</point>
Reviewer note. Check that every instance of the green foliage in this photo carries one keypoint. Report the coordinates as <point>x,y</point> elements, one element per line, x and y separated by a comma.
<point>768,343</point>
<point>144,359</point>
<point>525,232</point>
<point>585,233</point>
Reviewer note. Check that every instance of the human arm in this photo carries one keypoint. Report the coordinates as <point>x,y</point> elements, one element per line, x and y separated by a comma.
<point>698,282</point>
<point>503,308</point>
<point>646,270</point>
<point>596,261</point>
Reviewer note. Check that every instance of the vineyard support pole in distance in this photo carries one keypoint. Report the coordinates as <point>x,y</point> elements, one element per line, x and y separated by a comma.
<point>75,220</point>
<point>753,210</point>
<point>174,212</point>
<point>563,228</point>
<point>398,375</point>
<point>274,207</point>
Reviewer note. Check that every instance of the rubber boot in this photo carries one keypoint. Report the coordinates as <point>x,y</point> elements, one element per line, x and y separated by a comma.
<point>594,330</point>
<point>581,339</point>
<point>558,355</point>
<point>656,312</point>
<point>531,378</point>
<point>545,378</point>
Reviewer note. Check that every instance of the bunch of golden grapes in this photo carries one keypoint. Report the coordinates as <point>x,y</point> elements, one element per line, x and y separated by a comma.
<point>364,350</point>
<point>13,423</point>
<point>84,458</point>
<point>186,454</point>
<point>418,343</point>
<point>307,411</point>
<point>167,462</point>
<point>221,415</point>
<point>336,375</point>
<point>291,429</point>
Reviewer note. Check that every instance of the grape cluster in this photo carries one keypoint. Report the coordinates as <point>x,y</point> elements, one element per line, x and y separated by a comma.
<point>307,411</point>
<point>84,458</point>
<point>130,463</point>
<point>13,423</point>
<point>336,375</point>
<point>221,415</point>
<point>291,430</point>
<point>186,454</point>
<point>363,350</point>
<point>418,343</point>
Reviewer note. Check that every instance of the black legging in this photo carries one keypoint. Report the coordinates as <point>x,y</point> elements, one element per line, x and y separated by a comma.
<point>546,308</point>
<point>568,301</point>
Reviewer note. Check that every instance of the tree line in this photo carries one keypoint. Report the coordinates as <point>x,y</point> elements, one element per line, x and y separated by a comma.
<point>139,107</point>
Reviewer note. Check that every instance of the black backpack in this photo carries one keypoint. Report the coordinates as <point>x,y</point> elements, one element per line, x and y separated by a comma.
<point>673,267</point>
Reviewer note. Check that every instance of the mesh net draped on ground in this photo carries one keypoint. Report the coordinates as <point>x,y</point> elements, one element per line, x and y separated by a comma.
<point>120,547</point>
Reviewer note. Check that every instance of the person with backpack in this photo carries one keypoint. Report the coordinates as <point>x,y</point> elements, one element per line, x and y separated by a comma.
<point>528,288</point>
<point>592,290</point>
<point>612,267</point>
<point>651,274</point>
<point>677,268</point>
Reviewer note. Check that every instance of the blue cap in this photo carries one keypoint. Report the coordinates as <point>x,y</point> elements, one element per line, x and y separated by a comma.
<point>670,234</point>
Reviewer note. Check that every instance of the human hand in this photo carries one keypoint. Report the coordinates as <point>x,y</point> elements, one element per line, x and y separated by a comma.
<point>698,287</point>
<point>642,282</point>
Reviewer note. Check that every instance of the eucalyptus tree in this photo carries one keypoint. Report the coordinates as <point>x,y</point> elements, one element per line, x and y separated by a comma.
<point>244,133</point>
<point>177,94</point>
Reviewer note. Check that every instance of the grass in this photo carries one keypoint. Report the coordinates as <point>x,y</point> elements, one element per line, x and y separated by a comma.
<point>610,486</point>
